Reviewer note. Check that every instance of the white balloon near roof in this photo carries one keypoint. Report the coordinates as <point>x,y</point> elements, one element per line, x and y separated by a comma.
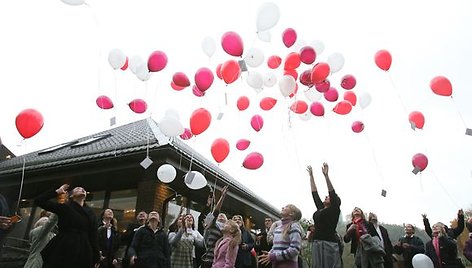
<point>166,173</point>
<point>170,126</point>
<point>195,180</point>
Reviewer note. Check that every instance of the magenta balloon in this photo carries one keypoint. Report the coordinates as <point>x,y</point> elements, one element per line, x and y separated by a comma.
<point>187,134</point>
<point>104,102</point>
<point>157,61</point>
<point>138,106</point>
<point>348,82</point>
<point>232,44</point>
<point>331,95</point>
<point>305,78</point>
<point>180,79</point>
<point>197,92</point>
<point>322,86</point>
<point>289,37</point>
<point>257,122</point>
<point>204,78</point>
<point>253,161</point>
<point>307,55</point>
<point>357,126</point>
<point>243,144</point>
<point>419,161</point>
<point>317,108</point>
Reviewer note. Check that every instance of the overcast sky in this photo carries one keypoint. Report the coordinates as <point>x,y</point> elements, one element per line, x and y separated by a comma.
<point>54,58</point>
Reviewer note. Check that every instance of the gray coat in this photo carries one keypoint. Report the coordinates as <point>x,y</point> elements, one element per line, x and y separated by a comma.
<point>39,238</point>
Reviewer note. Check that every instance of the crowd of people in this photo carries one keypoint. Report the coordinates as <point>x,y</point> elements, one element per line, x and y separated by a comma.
<point>68,234</point>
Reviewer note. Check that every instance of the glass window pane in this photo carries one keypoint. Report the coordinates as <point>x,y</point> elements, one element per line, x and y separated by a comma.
<point>123,204</point>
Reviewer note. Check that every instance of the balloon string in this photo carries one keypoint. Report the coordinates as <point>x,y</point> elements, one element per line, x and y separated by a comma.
<point>443,188</point>
<point>459,113</point>
<point>21,184</point>
<point>374,157</point>
<point>397,92</point>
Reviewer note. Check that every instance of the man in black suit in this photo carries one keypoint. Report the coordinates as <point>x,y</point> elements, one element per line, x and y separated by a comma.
<point>384,238</point>
<point>261,240</point>
<point>127,237</point>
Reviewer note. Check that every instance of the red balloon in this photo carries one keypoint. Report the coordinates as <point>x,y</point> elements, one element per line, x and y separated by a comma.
<point>200,121</point>
<point>322,86</point>
<point>267,103</point>
<point>292,73</point>
<point>419,161</point>
<point>289,37</point>
<point>125,66</point>
<point>253,161</point>
<point>157,61</point>
<point>441,86</point>
<point>320,72</point>
<point>274,61</point>
<point>220,149</point>
<point>383,59</point>
<point>197,92</point>
<point>351,97</point>
<point>299,107</point>
<point>243,144</point>
<point>232,44</point>
<point>230,71</point>
<point>305,78</point>
<point>317,108</point>
<point>331,95</point>
<point>242,103</point>
<point>175,87</point>
<point>257,122</point>
<point>416,119</point>
<point>138,106</point>
<point>180,79</point>
<point>357,126</point>
<point>104,102</point>
<point>218,71</point>
<point>29,122</point>
<point>292,61</point>
<point>348,82</point>
<point>204,78</point>
<point>307,55</point>
<point>343,107</point>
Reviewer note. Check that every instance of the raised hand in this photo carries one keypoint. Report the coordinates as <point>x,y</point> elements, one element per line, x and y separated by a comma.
<point>310,170</point>
<point>325,169</point>
<point>62,189</point>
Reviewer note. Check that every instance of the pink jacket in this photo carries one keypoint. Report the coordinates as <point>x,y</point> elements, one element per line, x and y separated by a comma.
<point>225,257</point>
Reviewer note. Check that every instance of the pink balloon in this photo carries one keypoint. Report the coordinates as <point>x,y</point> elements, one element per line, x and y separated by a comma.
<point>292,61</point>
<point>180,79</point>
<point>267,103</point>
<point>175,87</point>
<point>257,122</point>
<point>242,144</point>
<point>104,102</point>
<point>289,37</point>
<point>230,71</point>
<point>320,72</point>
<point>157,61</point>
<point>323,86</point>
<point>419,161</point>
<point>242,103</point>
<point>351,97</point>
<point>317,108</point>
<point>343,107</point>
<point>383,59</point>
<point>307,55</point>
<point>187,134</point>
<point>200,121</point>
<point>125,66</point>
<point>218,71</point>
<point>441,86</point>
<point>204,78</point>
<point>138,106</point>
<point>357,126</point>
<point>305,78</point>
<point>197,92</point>
<point>331,95</point>
<point>274,61</point>
<point>232,44</point>
<point>253,161</point>
<point>348,82</point>
<point>299,107</point>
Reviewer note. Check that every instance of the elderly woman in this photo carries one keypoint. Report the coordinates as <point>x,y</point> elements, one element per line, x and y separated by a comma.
<point>75,244</point>
<point>442,249</point>
<point>39,237</point>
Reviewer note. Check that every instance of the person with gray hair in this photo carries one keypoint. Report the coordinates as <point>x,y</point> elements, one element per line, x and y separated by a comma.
<point>409,245</point>
<point>39,237</point>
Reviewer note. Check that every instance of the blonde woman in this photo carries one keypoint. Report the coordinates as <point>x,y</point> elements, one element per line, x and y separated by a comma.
<point>183,242</point>
<point>287,240</point>
<point>226,248</point>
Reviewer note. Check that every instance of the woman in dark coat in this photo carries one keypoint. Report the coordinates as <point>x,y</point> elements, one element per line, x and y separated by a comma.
<point>75,245</point>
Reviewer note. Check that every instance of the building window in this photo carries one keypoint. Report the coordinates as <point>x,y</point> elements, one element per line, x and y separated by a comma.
<point>123,204</point>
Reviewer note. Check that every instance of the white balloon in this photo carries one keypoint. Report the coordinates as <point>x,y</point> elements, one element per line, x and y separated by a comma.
<point>170,126</point>
<point>254,80</point>
<point>74,2</point>
<point>142,72</point>
<point>335,62</point>
<point>116,58</point>
<point>195,180</point>
<point>305,116</point>
<point>134,62</point>
<point>208,46</point>
<point>312,94</point>
<point>287,85</point>
<point>422,261</point>
<point>254,57</point>
<point>299,44</point>
<point>264,36</point>
<point>268,15</point>
<point>166,173</point>
<point>270,79</point>
<point>318,46</point>
<point>364,99</point>
<point>173,113</point>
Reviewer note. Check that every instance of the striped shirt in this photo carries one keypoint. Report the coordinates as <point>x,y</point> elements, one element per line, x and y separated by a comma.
<point>286,246</point>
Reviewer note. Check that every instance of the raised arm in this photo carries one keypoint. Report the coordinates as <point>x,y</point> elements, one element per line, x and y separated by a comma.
<point>427,226</point>
<point>325,170</point>
<point>222,198</point>
<point>460,224</point>
<point>312,178</point>
<point>44,202</point>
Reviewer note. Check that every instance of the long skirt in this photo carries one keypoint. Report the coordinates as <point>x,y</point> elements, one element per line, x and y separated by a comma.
<point>325,254</point>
